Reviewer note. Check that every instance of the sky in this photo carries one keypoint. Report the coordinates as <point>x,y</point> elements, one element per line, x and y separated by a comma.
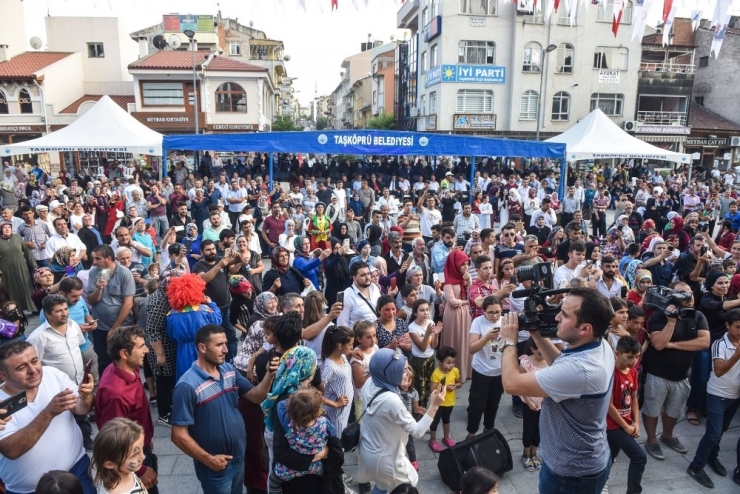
<point>317,41</point>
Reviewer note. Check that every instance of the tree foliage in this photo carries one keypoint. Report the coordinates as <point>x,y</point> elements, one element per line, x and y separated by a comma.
<point>382,122</point>
<point>284,123</point>
<point>322,123</point>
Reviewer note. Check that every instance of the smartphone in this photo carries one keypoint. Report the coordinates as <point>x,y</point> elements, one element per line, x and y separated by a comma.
<point>88,369</point>
<point>623,292</point>
<point>394,282</point>
<point>443,382</point>
<point>179,228</point>
<point>340,297</point>
<point>703,250</point>
<point>345,243</point>
<point>13,404</point>
<point>512,280</point>
<point>70,271</point>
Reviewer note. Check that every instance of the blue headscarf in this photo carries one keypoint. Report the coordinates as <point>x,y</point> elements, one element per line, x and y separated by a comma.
<point>362,243</point>
<point>386,369</point>
<point>631,272</point>
<point>296,365</point>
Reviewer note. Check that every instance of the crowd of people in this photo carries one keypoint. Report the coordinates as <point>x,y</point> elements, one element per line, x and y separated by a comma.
<point>270,319</point>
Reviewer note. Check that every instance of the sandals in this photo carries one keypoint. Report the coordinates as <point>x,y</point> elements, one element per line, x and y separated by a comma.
<point>449,442</point>
<point>436,447</point>
<point>692,420</point>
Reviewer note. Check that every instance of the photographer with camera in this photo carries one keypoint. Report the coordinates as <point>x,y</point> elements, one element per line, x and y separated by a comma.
<point>575,388</point>
<point>676,332</point>
<point>692,266</point>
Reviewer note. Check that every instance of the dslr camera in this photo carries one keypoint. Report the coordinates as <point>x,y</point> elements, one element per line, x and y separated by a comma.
<point>539,314</point>
<point>658,298</point>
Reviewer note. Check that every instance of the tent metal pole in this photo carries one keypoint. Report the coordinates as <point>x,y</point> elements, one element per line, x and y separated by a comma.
<point>563,175</point>
<point>163,165</point>
<point>270,170</point>
<point>472,178</point>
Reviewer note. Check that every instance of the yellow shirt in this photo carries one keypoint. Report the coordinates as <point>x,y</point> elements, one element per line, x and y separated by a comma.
<point>452,377</point>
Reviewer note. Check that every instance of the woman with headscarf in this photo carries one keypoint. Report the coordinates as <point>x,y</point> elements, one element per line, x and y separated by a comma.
<point>191,241</point>
<point>308,265</point>
<point>375,239</point>
<point>242,303</point>
<point>386,424</point>
<point>557,234</point>
<point>282,278</point>
<point>319,228</point>
<point>265,305</point>
<point>643,280</point>
<point>630,272</point>
<point>456,315</point>
<point>674,228</point>
<point>15,261</point>
<point>622,223</point>
<point>287,238</point>
<point>531,205</point>
<point>355,204</point>
<point>341,232</point>
<point>336,268</point>
<point>432,294</point>
<point>363,254</point>
<point>646,234</point>
<point>297,369</point>
<point>726,237</point>
<point>43,282</point>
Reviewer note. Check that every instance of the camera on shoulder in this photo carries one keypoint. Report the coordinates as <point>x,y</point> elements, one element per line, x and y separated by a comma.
<point>658,298</point>
<point>539,314</point>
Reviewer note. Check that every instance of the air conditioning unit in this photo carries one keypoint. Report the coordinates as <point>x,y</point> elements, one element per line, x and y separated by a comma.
<point>630,125</point>
<point>735,141</point>
<point>524,7</point>
<point>413,112</point>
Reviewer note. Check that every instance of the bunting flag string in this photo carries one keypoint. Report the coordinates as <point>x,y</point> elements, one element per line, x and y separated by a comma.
<point>617,16</point>
<point>695,19</point>
<point>721,11</point>
<point>719,36</point>
<point>667,27</point>
<point>667,6</point>
<point>642,10</point>
<point>334,5</point>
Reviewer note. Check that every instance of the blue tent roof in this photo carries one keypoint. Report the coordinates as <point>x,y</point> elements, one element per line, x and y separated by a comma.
<point>365,142</point>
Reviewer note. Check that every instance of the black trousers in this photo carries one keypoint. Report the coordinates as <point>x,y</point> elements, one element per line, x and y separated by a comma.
<point>485,396</point>
<point>165,387</point>
<point>443,413</point>
<point>530,427</point>
<point>100,343</point>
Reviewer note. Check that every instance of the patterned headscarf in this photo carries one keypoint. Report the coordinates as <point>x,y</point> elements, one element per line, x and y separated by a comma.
<point>275,264</point>
<point>187,231</point>
<point>411,271</point>
<point>260,303</point>
<point>239,285</point>
<point>62,255</point>
<point>37,275</point>
<point>296,365</point>
<point>297,243</point>
<point>640,275</point>
<point>631,271</point>
<point>167,274</point>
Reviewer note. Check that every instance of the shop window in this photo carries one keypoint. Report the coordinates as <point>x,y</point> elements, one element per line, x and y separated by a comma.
<point>24,99</point>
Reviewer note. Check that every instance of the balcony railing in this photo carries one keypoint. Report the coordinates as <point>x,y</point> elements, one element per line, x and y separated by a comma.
<point>667,67</point>
<point>661,117</point>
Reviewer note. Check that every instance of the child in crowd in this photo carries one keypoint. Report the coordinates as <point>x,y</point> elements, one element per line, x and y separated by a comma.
<point>118,452</point>
<point>449,376</point>
<point>336,374</point>
<point>479,480</point>
<point>58,482</point>
<point>367,343</point>
<point>410,398</point>
<point>409,295</point>
<point>307,431</point>
<point>153,270</point>
<point>617,326</point>
<point>269,342</point>
<point>424,337</point>
<point>623,421</point>
<point>729,266</point>
<point>531,361</point>
<point>722,401</point>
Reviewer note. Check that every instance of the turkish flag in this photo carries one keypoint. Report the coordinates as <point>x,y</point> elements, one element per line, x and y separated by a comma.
<point>334,4</point>
<point>667,5</point>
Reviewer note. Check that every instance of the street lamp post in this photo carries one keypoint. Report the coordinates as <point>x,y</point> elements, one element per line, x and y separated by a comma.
<point>542,82</point>
<point>191,36</point>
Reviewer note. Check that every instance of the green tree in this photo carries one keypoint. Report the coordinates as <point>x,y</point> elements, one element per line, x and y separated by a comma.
<point>284,123</point>
<point>382,122</point>
<point>322,123</point>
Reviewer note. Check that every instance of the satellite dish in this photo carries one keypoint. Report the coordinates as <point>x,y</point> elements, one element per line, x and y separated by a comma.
<point>286,58</point>
<point>251,23</point>
<point>36,43</point>
<point>159,42</point>
<point>174,41</point>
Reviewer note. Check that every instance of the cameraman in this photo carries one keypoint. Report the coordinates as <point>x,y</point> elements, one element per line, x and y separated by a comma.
<point>692,266</point>
<point>576,389</point>
<point>666,364</point>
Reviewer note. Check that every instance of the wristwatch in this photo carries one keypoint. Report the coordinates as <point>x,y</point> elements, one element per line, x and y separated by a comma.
<point>502,344</point>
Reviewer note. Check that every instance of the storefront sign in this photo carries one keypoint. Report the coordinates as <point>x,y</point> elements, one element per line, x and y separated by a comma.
<point>18,129</point>
<point>662,129</point>
<point>433,29</point>
<point>167,120</point>
<point>433,76</point>
<point>608,76</point>
<point>432,122</point>
<point>232,127</point>
<point>477,21</point>
<point>705,142</point>
<point>489,74</point>
<point>468,121</point>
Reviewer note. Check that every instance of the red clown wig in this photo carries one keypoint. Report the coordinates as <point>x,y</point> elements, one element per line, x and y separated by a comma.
<point>186,291</point>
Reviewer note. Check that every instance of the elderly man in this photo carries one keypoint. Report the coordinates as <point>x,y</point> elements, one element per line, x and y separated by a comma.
<point>139,272</point>
<point>63,238</point>
<point>35,233</point>
<point>8,217</point>
<point>43,436</point>
<point>124,239</point>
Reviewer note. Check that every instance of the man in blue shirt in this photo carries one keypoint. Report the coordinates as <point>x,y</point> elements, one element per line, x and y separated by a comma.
<point>734,217</point>
<point>206,422</point>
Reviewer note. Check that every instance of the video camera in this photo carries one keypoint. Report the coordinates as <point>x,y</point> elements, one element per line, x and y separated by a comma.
<point>658,298</point>
<point>538,315</point>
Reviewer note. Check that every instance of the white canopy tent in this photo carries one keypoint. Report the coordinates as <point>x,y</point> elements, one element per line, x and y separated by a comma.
<point>597,137</point>
<point>105,127</point>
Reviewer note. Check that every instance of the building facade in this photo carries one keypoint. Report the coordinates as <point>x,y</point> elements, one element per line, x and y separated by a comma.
<point>484,66</point>
<point>383,83</point>
<point>342,99</point>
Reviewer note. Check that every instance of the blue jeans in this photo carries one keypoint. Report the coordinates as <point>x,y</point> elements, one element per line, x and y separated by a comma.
<point>230,480</point>
<point>701,367</point>
<point>378,491</point>
<point>619,439</point>
<point>552,483</point>
<point>160,225</point>
<point>231,341</point>
<point>719,415</point>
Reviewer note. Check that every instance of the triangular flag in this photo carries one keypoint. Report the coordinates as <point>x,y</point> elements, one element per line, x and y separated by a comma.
<point>642,9</point>
<point>557,4</point>
<point>668,26</point>
<point>719,36</point>
<point>334,5</point>
<point>695,19</point>
<point>667,6</point>
<point>721,11</point>
<point>617,16</point>
<point>548,9</point>
<point>302,3</point>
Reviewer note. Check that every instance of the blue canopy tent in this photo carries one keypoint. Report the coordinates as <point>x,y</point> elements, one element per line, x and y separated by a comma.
<point>369,142</point>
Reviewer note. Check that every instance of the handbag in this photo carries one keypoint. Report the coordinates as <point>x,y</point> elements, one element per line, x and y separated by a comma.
<point>351,433</point>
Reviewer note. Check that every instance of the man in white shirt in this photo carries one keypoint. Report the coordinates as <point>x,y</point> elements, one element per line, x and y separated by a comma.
<point>388,200</point>
<point>43,436</point>
<point>340,194</point>
<point>572,268</point>
<point>544,212</point>
<point>428,215</point>
<point>62,238</point>
<point>359,299</point>
<point>236,198</point>
<point>608,284</point>
<point>132,186</point>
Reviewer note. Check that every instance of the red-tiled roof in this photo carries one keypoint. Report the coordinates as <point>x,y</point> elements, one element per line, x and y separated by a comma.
<point>702,119</point>
<point>683,34</point>
<point>183,60</point>
<point>25,65</point>
<point>121,101</point>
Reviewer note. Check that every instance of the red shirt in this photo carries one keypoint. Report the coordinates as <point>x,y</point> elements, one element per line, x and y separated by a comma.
<point>121,394</point>
<point>274,227</point>
<point>624,386</point>
<point>479,289</point>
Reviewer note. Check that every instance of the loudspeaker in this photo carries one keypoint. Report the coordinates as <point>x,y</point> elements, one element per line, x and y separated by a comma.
<point>488,450</point>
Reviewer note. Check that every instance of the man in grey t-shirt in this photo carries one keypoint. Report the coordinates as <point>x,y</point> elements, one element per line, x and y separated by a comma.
<point>576,390</point>
<point>110,293</point>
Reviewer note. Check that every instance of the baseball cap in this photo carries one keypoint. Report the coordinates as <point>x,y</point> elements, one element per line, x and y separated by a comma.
<point>54,204</point>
